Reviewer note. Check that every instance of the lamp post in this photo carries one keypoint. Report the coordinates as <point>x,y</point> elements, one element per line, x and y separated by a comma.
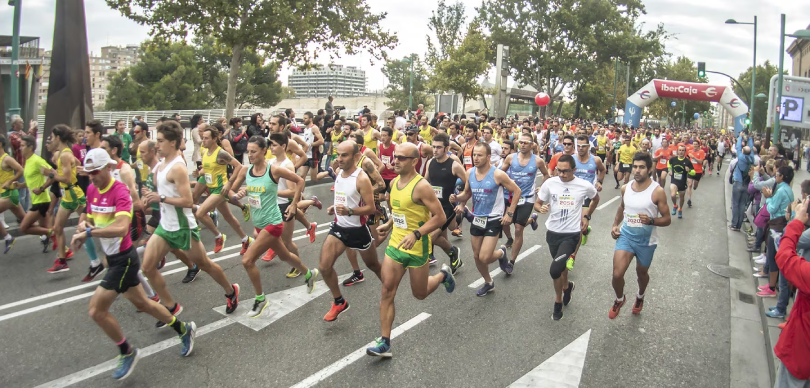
<point>14,103</point>
<point>754,68</point>
<point>410,89</point>
<point>801,34</point>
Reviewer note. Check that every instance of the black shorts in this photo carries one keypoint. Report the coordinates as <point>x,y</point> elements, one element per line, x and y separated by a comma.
<point>154,220</point>
<point>282,207</point>
<point>122,273</point>
<point>83,181</point>
<point>309,163</point>
<point>358,238</point>
<point>658,172</point>
<point>450,213</point>
<point>137,225</point>
<point>696,177</point>
<point>681,185</point>
<point>522,213</point>
<point>56,190</point>
<point>42,208</point>
<point>561,246</point>
<point>625,167</point>
<point>603,157</point>
<point>492,228</point>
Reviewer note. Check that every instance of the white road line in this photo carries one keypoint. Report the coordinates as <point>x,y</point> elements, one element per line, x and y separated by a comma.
<point>88,373</point>
<point>324,373</point>
<point>89,294</point>
<point>604,205</point>
<point>521,256</point>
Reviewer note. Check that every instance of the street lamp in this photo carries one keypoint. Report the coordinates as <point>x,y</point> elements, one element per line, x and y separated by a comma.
<point>800,34</point>
<point>754,68</point>
<point>410,90</point>
<point>14,102</point>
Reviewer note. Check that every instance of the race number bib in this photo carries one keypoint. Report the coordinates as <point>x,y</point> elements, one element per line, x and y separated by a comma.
<point>385,159</point>
<point>340,198</point>
<point>480,222</point>
<point>468,160</point>
<point>625,165</point>
<point>566,202</point>
<point>400,221</point>
<point>438,191</point>
<point>63,192</point>
<point>209,179</point>
<point>694,161</point>
<point>521,201</point>
<point>633,221</point>
<point>139,163</point>
<point>678,176</point>
<point>254,201</point>
<point>601,149</point>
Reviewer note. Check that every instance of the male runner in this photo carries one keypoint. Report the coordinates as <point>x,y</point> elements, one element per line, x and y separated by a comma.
<point>312,136</point>
<point>371,136</point>
<point>624,158</point>
<point>563,197</point>
<point>10,174</point>
<point>73,199</point>
<point>413,200</point>
<point>38,184</point>
<point>642,210</point>
<point>568,142</point>
<point>680,166</point>
<point>602,143</point>
<point>442,174</point>
<point>591,169</point>
<point>386,154</point>
<point>661,159</point>
<point>697,157</point>
<point>494,145</point>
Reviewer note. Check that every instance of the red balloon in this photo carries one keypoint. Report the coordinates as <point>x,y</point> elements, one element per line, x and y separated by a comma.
<point>542,99</point>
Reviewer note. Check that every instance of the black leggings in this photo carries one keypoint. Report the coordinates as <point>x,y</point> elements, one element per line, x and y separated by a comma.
<point>561,246</point>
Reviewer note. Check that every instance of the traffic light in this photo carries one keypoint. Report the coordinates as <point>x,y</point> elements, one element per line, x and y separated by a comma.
<point>701,69</point>
<point>747,119</point>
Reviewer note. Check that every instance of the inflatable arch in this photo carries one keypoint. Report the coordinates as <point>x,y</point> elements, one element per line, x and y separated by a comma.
<point>723,95</point>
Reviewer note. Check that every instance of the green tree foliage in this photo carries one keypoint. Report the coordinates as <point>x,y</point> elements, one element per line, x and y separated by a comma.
<point>445,22</point>
<point>764,74</point>
<point>292,32</point>
<point>398,73</point>
<point>682,69</point>
<point>460,69</point>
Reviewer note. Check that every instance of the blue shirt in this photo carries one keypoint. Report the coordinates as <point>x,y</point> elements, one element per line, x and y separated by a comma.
<point>743,161</point>
<point>778,203</point>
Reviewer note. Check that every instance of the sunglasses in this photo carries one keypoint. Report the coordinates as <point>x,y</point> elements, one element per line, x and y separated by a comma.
<point>403,158</point>
<point>524,142</point>
<point>564,171</point>
<point>410,133</point>
<point>94,173</point>
<point>583,145</point>
<point>568,144</point>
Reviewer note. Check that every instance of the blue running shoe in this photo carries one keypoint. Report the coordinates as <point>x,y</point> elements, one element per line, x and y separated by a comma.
<point>775,314</point>
<point>680,213</point>
<point>126,364</point>
<point>534,218</point>
<point>9,244</point>
<point>187,340</point>
<point>504,263</point>
<point>449,281</point>
<point>381,349</point>
<point>486,289</point>
<point>674,210</point>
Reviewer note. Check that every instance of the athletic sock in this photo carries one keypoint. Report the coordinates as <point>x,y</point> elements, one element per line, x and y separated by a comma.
<point>620,300</point>
<point>217,237</point>
<point>386,340</point>
<point>8,237</point>
<point>640,296</point>
<point>178,326</point>
<point>512,262</point>
<point>308,275</point>
<point>260,298</point>
<point>123,346</point>
<point>244,239</point>
<point>339,300</point>
<point>90,247</point>
<point>358,273</point>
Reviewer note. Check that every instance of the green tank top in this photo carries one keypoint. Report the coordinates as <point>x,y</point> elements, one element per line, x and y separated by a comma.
<point>262,196</point>
<point>616,145</point>
<point>150,185</point>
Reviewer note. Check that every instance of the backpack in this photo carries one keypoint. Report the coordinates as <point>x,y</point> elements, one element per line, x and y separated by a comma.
<point>746,179</point>
<point>239,147</point>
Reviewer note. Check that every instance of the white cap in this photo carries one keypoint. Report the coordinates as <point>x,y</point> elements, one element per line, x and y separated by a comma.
<point>96,159</point>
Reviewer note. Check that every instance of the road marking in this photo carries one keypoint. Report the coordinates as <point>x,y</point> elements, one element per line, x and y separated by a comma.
<point>563,369</point>
<point>604,205</point>
<point>324,373</point>
<point>495,272</point>
<point>88,294</point>
<point>145,352</point>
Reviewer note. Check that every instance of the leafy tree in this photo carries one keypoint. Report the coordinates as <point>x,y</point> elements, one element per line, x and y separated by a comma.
<point>445,22</point>
<point>764,74</point>
<point>287,92</point>
<point>460,69</point>
<point>281,31</point>
<point>398,73</point>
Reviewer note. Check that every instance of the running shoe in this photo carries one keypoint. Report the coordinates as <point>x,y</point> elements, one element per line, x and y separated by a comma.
<point>432,260</point>
<point>155,298</point>
<point>313,277</point>
<point>245,245</point>
<point>558,311</point>
<point>187,339</point>
<point>311,231</point>
<point>9,244</point>
<point>44,240</point>
<point>775,314</point>
<point>455,260</point>
<point>126,364</point>
<point>680,213</point>
<point>570,263</point>
<point>534,221</point>
<point>354,279</point>
<point>59,265</point>
<point>317,203</point>
<point>191,274</point>
<point>293,273</point>
<point>457,233</point>
<point>92,273</point>
<point>763,287</point>
<point>449,281</point>
<point>638,306</point>
<point>674,209</point>
<point>584,238</point>
<point>233,300</point>
<point>689,202</point>
<point>214,217</point>
<point>567,293</point>
<point>617,306</point>
<point>69,254</point>
<point>258,308</point>
<point>486,289</point>
<point>767,293</point>
<point>173,311</point>
<point>509,242</point>
<point>246,212</point>
<point>381,349</point>
<point>219,243</point>
<point>161,263</point>
<point>269,255</point>
<point>335,311</point>
<point>504,263</point>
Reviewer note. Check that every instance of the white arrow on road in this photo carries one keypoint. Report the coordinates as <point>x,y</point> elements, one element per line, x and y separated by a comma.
<point>563,369</point>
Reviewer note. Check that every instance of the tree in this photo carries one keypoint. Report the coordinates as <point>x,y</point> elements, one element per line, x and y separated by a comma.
<point>293,32</point>
<point>287,92</point>
<point>398,73</point>
<point>123,93</point>
<point>445,22</point>
<point>764,74</point>
<point>460,69</point>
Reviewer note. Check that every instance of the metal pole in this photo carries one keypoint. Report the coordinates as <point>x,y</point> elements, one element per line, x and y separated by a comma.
<point>14,103</point>
<point>776,129</point>
<point>683,114</point>
<point>753,76</point>
<point>410,90</point>
<point>615,76</point>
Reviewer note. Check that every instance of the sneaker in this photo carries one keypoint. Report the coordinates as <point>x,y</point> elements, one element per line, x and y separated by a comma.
<point>317,203</point>
<point>674,210</point>
<point>617,306</point>
<point>59,265</point>
<point>161,263</point>
<point>335,311</point>
<point>455,260</point>
<point>245,245</point>
<point>767,293</point>
<point>187,340</point>
<point>269,255</point>
<point>219,243</point>
<point>763,287</point>
<point>313,277</point>
<point>214,217</point>
<point>176,311</point>
<point>570,263</point>
<point>761,259</point>
<point>69,254</point>
<point>509,242</point>
<point>126,364</point>
<point>191,274</point>
<point>293,273</point>
<point>558,311</point>
<point>94,271</point>
<point>354,279</point>
<point>504,263</point>
<point>432,260</point>
<point>457,233</point>
<point>567,293</point>
<point>680,213</point>
<point>258,308</point>
<point>775,314</point>
<point>233,301</point>
<point>311,232</point>
<point>44,242</point>
<point>9,244</point>
<point>534,221</point>
<point>246,212</point>
<point>584,238</point>
<point>486,289</point>
<point>689,202</point>
<point>381,349</point>
<point>638,306</point>
<point>449,281</point>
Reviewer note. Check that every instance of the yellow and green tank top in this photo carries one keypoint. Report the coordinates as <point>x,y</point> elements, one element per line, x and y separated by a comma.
<point>215,174</point>
<point>5,176</point>
<point>408,216</point>
<point>143,169</point>
<point>72,169</point>
<point>427,137</point>
<point>369,141</point>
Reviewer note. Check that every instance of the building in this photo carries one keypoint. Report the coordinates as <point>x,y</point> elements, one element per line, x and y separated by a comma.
<point>333,80</point>
<point>112,60</point>
<point>799,51</point>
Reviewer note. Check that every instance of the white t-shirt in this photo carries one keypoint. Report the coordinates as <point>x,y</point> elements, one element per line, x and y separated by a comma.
<point>496,151</point>
<point>400,122</point>
<point>566,199</point>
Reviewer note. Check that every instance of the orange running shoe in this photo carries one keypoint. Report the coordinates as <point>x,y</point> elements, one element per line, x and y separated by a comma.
<point>638,306</point>
<point>335,311</point>
<point>311,232</point>
<point>617,306</point>
<point>782,325</point>
<point>219,243</point>
<point>245,245</point>
<point>269,255</point>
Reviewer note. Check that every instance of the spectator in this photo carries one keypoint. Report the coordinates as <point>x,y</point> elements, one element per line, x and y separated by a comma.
<point>400,122</point>
<point>330,107</point>
<point>196,138</point>
<point>15,139</point>
<point>126,138</point>
<point>177,117</point>
<point>238,137</point>
<point>740,179</point>
<point>257,126</point>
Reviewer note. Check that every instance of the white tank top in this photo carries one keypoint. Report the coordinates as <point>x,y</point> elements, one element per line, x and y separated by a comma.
<point>172,218</point>
<point>116,173</point>
<point>282,183</point>
<point>346,194</point>
<point>636,203</point>
<point>309,138</point>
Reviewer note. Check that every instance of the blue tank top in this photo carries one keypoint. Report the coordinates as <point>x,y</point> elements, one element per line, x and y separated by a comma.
<point>487,195</point>
<point>586,171</point>
<point>524,176</point>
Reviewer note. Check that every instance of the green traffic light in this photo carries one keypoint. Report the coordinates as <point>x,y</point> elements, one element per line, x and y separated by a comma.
<point>747,121</point>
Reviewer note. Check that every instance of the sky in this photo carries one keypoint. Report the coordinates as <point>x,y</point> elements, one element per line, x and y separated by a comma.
<point>697,25</point>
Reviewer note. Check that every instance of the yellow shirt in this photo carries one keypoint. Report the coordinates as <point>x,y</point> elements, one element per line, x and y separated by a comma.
<point>427,137</point>
<point>72,169</point>
<point>5,176</point>
<point>626,154</point>
<point>141,166</point>
<point>369,141</point>
<point>408,216</point>
<point>215,174</point>
<point>601,144</point>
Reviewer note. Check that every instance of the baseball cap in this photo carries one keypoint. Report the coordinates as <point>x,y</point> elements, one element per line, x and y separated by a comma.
<point>96,159</point>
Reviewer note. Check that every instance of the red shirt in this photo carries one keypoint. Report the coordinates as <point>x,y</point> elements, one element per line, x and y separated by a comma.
<point>15,138</point>
<point>793,346</point>
<point>387,157</point>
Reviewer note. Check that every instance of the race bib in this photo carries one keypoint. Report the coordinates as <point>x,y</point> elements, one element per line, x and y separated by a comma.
<point>480,222</point>
<point>601,149</point>
<point>63,192</point>
<point>254,201</point>
<point>633,221</point>
<point>139,163</point>
<point>678,176</point>
<point>566,202</point>
<point>694,161</point>
<point>521,201</point>
<point>438,191</point>
<point>386,159</point>
<point>340,198</point>
<point>400,221</point>
<point>209,179</point>
<point>626,165</point>
<point>468,160</point>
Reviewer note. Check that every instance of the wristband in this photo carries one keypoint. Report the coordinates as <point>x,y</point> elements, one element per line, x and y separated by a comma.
<point>417,234</point>
<point>87,232</point>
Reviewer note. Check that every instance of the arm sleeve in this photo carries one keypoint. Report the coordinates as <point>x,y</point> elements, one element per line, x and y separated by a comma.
<point>795,268</point>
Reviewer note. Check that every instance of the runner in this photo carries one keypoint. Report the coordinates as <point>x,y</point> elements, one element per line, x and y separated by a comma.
<point>592,170</point>
<point>413,200</point>
<point>386,154</point>
<point>697,157</point>
<point>371,136</point>
<point>616,142</point>
<point>10,174</point>
<point>38,184</point>
<point>486,185</point>
<point>624,157</point>
<point>262,191</point>
<point>563,198</point>
<point>661,160</point>
<point>494,146</point>
<point>73,199</point>
<point>602,143</point>
<point>567,142</point>
<point>313,138</point>
<point>679,166</point>
<point>442,174</point>
<point>108,218</point>
<point>471,139</point>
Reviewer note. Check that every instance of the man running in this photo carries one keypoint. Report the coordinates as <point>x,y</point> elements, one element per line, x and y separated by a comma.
<point>679,167</point>
<point>413,200</point>
<point>661,159</point>
<point>38,184</point>
<point>73,199</point>
<point>697,157</point>
<point>642,210</point>
<point>563,198</point>
<point>313,138</point>
<point>10,174</point>
<point>591,169</point>
<point>624,159</point>
<point>442,173</point>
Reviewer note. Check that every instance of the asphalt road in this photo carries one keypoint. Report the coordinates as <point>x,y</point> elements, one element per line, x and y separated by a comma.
<point>680,338</point>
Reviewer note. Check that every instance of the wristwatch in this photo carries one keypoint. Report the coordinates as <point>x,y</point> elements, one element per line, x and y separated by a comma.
<point>87,231</point>
<point>587,217</point>
<point>162,198</point>
<point>510,214</point>
<point>652,221</point>
<point>417,234</point>
<point>350,211</point>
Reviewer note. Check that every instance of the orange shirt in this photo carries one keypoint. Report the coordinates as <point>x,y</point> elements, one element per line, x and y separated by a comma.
<point>552,164</point>
<point>467,154</point>
<point>663,156</point>
<point>695,155</point>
